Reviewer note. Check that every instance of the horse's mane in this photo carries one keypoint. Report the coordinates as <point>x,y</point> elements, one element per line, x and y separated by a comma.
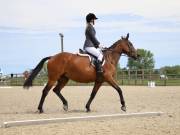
<point>108,51</point>
<point>115,44</point>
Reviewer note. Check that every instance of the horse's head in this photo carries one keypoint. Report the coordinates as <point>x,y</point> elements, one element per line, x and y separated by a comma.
<point>128,48</point>
<point>124,46</point>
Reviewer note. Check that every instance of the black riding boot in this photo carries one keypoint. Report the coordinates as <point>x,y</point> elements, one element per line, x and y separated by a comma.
<point>99,71</point>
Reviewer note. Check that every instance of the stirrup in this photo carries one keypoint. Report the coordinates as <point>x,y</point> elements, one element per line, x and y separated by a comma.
<point>100,70</point>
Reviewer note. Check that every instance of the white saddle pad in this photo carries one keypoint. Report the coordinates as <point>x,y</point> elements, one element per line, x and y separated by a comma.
<point>90,58</point>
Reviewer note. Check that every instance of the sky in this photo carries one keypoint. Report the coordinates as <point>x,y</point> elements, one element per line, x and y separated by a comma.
<point>29,29</point>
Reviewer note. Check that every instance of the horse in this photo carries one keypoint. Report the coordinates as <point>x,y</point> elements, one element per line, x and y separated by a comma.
<point>65,66</point>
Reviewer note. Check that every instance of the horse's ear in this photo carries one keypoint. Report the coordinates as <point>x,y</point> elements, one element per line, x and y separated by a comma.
<point>127,37</point>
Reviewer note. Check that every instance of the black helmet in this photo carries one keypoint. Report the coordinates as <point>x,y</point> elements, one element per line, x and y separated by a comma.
<point>90,16</point>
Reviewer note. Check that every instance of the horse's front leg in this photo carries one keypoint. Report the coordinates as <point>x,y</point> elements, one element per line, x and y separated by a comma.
<point>97,85</point>
<point>114,84</point>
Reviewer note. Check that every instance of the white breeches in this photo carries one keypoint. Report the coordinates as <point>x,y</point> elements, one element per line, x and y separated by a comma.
<point>95,52</point>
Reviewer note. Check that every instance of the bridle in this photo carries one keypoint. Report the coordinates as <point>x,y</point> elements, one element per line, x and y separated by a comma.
<point>130,52</point>
<point>130,48</point>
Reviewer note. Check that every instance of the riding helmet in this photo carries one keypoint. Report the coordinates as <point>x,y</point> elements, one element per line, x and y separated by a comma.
<point>90,16</point>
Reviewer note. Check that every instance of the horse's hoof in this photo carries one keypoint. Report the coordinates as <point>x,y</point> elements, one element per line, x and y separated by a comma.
<point>65,107</point>
<point>88,110</point>
<point>40,111</point>
<point>123,108</point>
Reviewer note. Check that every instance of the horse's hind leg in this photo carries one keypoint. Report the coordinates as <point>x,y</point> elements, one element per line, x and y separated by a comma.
<point>44,94</point>
<point>61,83</point>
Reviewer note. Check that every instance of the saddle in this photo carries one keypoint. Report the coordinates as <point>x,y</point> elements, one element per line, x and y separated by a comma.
<point>91,57</point>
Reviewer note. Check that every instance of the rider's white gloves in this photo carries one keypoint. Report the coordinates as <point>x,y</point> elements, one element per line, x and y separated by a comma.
<point>101,47</point>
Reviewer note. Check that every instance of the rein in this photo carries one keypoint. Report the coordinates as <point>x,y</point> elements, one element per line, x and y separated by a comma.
<point>107,49</point>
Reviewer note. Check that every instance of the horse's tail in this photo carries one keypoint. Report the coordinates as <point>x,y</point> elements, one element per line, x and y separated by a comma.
<point>36,70</point>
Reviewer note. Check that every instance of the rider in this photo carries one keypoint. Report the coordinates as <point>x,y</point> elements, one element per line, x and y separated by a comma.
<point>92,45</point>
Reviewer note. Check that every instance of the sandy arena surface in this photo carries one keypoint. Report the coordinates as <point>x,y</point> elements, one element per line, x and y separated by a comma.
<point>19,104</point>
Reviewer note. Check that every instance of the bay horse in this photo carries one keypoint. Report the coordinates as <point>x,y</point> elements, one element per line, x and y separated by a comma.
<point>65,66</point>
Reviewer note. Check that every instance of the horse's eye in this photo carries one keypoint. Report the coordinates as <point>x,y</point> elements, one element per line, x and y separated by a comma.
<point>129,43</point>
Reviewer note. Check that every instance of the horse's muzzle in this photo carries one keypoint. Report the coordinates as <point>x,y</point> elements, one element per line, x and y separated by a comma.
<point>135,56</point>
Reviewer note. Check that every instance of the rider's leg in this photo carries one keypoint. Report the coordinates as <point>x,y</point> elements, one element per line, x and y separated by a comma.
<point>99,63</point>
<point>92,50</point>
<point>99,69</point>
<point>100,57</point>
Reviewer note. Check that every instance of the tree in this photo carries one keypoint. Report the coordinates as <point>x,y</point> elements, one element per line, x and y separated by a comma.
<point>171,70</point>
<point>145,61</point>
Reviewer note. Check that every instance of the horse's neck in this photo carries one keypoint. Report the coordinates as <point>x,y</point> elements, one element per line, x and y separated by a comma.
<point>113,57</point>
<point>116,58</point>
